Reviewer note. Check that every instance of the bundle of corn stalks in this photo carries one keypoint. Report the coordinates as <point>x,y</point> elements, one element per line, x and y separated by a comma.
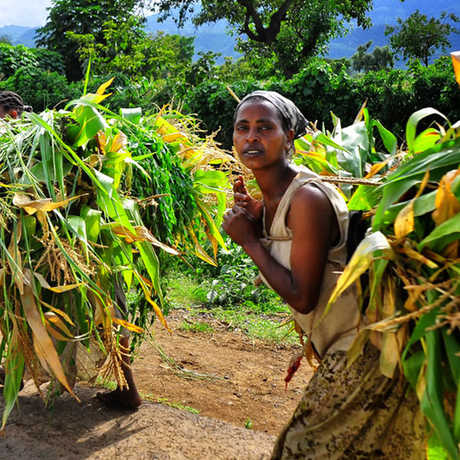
<point>75,185</point>
<point>407,269</point>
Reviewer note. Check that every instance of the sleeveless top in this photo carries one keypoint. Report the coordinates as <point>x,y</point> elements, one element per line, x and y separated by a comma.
<point>337,330</point>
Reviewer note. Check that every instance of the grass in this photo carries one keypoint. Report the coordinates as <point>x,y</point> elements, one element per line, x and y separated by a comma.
<point>197,326</point>
<point>165,401</point>
<point>231,300</point>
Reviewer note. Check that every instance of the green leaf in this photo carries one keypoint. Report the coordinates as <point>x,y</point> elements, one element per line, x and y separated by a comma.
<point>13,378</point>
<point>443,234</point>
<point>389,139</point>
<point>414,119</point>
<point>92,219</point>
<point>426,139</point>
<point>133,114</point>
<point>432,399</point>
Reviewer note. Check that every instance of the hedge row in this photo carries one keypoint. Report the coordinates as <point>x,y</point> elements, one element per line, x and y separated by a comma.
<point>319,89</point>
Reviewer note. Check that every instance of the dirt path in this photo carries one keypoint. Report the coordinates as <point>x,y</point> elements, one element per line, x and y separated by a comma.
<point>233,382</point>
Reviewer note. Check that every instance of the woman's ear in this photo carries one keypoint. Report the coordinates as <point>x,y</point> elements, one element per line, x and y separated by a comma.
<point>290,139</point>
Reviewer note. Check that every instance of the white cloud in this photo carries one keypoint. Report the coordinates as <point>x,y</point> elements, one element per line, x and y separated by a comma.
<point>30,13</point>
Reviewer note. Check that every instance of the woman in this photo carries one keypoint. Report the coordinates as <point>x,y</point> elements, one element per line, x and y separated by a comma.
<point>12,105</point>
<point>297,237</point>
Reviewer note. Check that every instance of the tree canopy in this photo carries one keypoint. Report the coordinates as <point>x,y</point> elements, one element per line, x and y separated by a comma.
<point>290,31</point>
<point>82,17</point>
<point>380,58</point>
<point>419,37</point>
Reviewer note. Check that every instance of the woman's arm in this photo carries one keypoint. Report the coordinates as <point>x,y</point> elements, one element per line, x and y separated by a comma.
<point>311,220</point>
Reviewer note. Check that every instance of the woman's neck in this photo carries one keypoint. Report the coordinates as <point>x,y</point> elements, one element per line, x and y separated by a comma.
<point>274,181</point>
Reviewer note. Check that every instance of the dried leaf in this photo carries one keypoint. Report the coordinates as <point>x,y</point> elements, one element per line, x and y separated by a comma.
<point>42,342</point>
<point>32,206</point>
<point>131,327</point>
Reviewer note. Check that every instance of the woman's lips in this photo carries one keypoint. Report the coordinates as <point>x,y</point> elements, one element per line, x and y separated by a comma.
<point>252,152</point>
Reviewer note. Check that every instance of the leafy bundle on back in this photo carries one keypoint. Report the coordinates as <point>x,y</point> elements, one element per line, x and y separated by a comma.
<point>410,295</point>
<point>78,221</point>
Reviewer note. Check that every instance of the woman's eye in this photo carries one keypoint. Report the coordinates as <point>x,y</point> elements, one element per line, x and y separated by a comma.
<point>241,128</point>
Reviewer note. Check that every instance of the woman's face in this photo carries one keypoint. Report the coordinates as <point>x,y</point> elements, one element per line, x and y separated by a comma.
<point>3,112</point>
<point>258,135</point>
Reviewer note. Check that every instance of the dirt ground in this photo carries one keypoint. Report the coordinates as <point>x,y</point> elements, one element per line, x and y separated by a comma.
<point>218,395</point>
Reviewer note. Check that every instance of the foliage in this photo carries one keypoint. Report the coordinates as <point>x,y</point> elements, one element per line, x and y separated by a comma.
<point>82,17</point>
<point>72,235</point>
<point>411,296</point>
<point>323,86</point>
<point>13,58</point>
<point>380,58</point>
<point>126,48</point>
<point>419,37</point>
<point>40,88</point>
<point>292,30</point>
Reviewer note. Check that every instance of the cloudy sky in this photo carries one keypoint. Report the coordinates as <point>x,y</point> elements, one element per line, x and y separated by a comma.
<point>23,12</point>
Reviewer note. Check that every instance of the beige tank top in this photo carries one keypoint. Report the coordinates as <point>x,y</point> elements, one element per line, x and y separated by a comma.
<point>338,328</point>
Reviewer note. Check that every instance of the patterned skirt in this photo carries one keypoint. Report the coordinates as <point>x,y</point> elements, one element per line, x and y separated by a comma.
<point>354,413</point>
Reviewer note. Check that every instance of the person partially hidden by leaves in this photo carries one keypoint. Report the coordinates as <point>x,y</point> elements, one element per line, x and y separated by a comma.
<point>12,105</point>
<point>297,237</point>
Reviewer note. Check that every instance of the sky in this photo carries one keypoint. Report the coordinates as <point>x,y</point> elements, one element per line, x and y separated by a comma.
<point>29,13</point>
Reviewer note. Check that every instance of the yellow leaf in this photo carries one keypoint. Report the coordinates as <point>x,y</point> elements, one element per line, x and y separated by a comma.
<point>174,137</point>
<point>127,325</point>
<point>389,297</point>
<point>56,334</point>
<point>141,234</point>
<point>415,291</point>
<point>119,142</point>
<point>32,206</point>
<point>389,356</point>
<point>155,306</point>
<point>42,341</point>
<point>58,312</point>
<point>376,168</point>
<point>16,267</point>
<point>447,204</point>
<point>199,251</point>
<point>104,86</point>
<point>413,254</point>
<point>359,263</point>
<point>456,63</point>
<point>404,222</point>
<point>54,319</point>
<point>57,289</point>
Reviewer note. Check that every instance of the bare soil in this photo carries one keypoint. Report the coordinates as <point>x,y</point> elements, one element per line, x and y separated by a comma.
<point>236,385</point>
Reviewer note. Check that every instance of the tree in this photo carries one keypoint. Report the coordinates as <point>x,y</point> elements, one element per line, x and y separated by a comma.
<point>82,17</point>
<point>380,58</point>
<point>128,49</point>
<point>291,31</point>
<point>419,37</point>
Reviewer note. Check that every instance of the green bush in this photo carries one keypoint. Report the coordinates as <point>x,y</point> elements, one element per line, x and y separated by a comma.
<point>13,58</point>
<point>323,87</point>
<point>39,88</point>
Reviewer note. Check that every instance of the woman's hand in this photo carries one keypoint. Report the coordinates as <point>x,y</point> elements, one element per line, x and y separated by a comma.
<point>240,226</point>
<point>242,199</point>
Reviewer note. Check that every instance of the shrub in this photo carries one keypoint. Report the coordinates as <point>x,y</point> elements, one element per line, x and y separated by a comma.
<point>39,88</point>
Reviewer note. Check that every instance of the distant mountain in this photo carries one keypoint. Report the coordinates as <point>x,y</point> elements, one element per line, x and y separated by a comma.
<point>214,37</point>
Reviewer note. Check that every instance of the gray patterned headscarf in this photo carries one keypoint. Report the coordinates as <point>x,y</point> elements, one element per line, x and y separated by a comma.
<point>291,116</point>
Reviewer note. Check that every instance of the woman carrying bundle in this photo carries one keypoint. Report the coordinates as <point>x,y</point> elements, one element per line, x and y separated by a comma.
<point>12,105</point>
<point>297,237</point>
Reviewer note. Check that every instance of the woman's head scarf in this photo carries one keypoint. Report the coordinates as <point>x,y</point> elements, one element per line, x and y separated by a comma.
<point>292,117</point>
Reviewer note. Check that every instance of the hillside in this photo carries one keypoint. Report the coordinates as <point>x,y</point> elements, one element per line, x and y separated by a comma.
<point>214,37</point>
